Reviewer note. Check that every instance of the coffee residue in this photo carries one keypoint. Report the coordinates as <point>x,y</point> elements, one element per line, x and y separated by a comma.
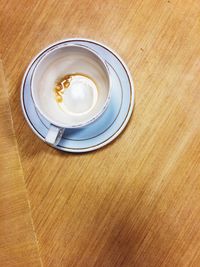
<point>63,83</point>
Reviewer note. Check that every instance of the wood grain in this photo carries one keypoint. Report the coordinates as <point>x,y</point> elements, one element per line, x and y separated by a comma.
<point>135,202</point>
<point>18,245</point>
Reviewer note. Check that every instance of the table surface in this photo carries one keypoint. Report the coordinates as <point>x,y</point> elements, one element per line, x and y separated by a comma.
<point>135,202</point>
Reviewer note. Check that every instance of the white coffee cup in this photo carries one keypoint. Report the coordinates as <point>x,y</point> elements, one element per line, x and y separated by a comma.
<point>87,96</point>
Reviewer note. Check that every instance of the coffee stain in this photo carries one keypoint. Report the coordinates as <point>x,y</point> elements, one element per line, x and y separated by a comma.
<point>64,83</point>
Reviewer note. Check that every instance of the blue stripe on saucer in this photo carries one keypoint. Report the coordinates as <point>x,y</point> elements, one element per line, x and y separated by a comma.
<point>101,131</point>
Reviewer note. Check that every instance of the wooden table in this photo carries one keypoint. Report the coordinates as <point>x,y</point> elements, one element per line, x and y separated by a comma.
<point>135,202</point>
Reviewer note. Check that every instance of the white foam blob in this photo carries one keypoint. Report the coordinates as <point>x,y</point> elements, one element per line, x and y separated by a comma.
<point>80,97</point>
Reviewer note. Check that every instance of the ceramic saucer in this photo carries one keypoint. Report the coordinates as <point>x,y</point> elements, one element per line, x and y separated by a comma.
<point>108,126</point>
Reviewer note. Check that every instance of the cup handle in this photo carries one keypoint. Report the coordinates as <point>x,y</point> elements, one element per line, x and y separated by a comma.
<point>54,135</point>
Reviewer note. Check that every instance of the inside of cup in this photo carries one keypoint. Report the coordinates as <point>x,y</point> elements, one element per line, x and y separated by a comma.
<point>88,86</point>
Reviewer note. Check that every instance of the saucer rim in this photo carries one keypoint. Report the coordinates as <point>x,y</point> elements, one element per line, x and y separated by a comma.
<point>131,104</point>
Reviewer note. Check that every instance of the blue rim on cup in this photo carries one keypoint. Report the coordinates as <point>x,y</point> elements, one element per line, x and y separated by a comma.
<point>57,128</point>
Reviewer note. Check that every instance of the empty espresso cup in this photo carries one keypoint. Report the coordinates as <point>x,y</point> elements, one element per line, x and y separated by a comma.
<point>70,87</point>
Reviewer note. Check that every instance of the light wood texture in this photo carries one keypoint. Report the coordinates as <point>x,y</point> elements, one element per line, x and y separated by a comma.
<point>18,245</point>
<point>135,202</point>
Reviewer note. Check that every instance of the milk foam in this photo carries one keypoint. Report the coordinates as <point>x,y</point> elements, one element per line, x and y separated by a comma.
<point>80,97</point>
